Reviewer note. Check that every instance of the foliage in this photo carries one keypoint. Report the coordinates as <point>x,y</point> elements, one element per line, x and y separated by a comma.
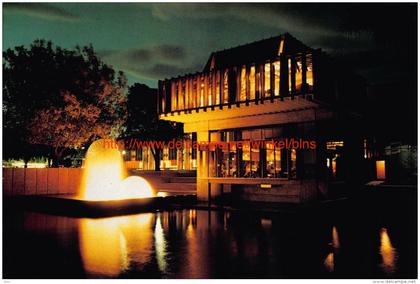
<point>59,98</point>
<point>143,121</point>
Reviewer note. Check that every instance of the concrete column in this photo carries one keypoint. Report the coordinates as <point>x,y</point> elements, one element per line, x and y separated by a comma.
<point>216,189</point>
<point>202,168</point>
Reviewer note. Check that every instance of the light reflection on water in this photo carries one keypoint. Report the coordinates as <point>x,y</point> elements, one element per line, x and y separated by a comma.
<point>108,245</point>
<point>388,252</point>
<point>334,249</point>
<point>207,244</point>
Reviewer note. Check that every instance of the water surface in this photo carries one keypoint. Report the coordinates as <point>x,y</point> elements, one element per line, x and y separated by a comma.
<point>210,244</point>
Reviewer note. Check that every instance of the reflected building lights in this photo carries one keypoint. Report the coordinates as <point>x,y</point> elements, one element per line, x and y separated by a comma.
<point>388,252</point>
<point>160,245</point>
<point>335,243</point>
<point>329,262</point>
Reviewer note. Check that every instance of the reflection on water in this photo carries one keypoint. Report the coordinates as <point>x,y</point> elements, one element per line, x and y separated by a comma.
<point>335,239</point>
<point>160,244</point>
<point>388,252</point>
<point>329,262</point>
<point>334,249</point>
<point>107,245</point>
<point>199,244</point>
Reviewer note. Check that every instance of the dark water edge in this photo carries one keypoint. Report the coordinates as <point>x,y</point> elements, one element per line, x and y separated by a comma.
<point>369,236</point>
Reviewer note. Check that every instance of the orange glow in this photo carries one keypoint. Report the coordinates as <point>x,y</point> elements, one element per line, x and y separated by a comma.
<point>329,262</point>
<point>387,251</point>
<point>276,78</point>
<point>252,83</point>
<point>103,177</point>
<point>135,187</point>
<point>243,84</point>
<point>335,239</point>
<point>107,244</point>
<point>267,79</point>
<point>380,169</point>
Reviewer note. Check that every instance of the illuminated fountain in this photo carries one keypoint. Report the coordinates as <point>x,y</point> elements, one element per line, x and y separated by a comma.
<point>104,176</point>
<point>106,190</point>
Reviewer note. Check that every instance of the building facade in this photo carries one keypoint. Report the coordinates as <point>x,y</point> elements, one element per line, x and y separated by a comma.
<point>181,158</point>
<point>249,98</point>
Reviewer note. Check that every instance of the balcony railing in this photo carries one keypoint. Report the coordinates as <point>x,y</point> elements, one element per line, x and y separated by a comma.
<point>284,76</point>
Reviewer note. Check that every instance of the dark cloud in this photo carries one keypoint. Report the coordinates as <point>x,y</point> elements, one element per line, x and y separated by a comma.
<point>171,52</point>
<point>165,70</point>
<point>326,25</point>
<point>140,55</point>
<point>153,62</point>
<point>41,10</point>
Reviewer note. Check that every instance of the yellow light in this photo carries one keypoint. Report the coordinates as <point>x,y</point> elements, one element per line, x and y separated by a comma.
<point>335,239</point>
<point>388,253</point>
<point>162,194</point>
<point>329,262</point>
<point>106,244</point>
<point>29,165</point>
<point>135,187</point>
<point>104,173</point>
<point>160,245</point>
<point>380,169</point>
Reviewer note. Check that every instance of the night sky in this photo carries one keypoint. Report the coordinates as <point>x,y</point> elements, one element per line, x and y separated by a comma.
<point>155,41</point>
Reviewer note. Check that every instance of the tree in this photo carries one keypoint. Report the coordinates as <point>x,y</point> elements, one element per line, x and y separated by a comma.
<point>143,121</point>
<point>59,98</point>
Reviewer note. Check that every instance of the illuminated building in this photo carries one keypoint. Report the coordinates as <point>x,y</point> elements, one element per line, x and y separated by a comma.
<point>277,88</point>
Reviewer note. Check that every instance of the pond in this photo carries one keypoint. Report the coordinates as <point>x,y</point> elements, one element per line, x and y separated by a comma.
<point>193,243</point>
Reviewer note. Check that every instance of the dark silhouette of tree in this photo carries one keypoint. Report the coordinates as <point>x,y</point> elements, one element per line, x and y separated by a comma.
<point>59,99</point>
<point>143,122</point>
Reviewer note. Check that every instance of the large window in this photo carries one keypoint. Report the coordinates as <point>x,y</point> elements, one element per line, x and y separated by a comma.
<point>257,156</point>
<point>246,160</point>
<point>270,160</point>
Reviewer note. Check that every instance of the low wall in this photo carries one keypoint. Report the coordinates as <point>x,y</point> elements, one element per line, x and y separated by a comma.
<point>30,181</point>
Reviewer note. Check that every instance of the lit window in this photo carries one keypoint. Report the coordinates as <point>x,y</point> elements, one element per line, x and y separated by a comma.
<point>173,96</point>
<point>380,169</point>
<point>309,73</point>
<point>277,78</point>
<point>252,83</point>
<point>194,93</point>
<point>210,90</point>
<point>243,84</point>
<point>270,159</point>
<point>267,81</point>
<point>289,62</point>
<point>181,93</point>
<point>226,86</point>
<point>187,94</point>
<point>298,76</point>
<point>217,88</point>
<point>201,92</point>
<point>332,145</point>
